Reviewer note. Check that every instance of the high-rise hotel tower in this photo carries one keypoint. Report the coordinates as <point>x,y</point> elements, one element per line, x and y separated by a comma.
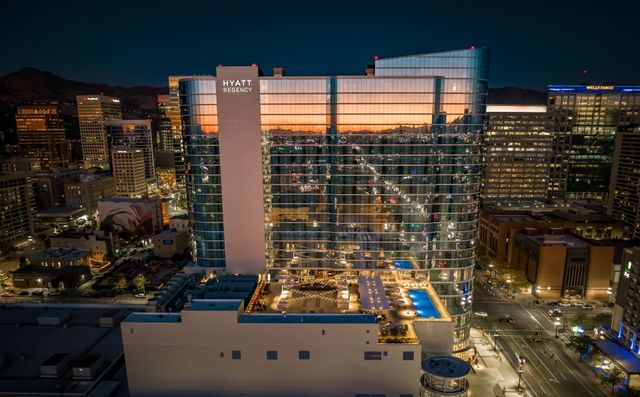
<point>341,173</point>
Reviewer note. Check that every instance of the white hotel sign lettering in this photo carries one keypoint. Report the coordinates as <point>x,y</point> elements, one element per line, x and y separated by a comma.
<point>236,86</point>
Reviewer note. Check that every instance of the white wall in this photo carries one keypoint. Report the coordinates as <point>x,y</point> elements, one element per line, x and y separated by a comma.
<point>184,359</point>
<point>241,169</point>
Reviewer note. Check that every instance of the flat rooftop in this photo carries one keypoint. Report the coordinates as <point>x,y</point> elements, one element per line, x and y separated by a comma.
<point>219,305</point>
<point>25,346</point>
<point>170,233</point>
<point>308,318</point>
<point>61,253</point>
<point>565,239</point>
<point>497,219</point>
<point>446,366</point>
<point>144,317</point>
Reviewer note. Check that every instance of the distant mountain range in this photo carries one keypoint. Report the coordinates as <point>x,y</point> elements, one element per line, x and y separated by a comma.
<point>31,84</point>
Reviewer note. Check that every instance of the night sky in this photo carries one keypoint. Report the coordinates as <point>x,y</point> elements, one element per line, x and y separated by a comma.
<point>141,42</point>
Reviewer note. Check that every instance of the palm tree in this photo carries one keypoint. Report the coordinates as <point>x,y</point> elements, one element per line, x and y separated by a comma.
<point>580,344</point>
<point>614,377</point>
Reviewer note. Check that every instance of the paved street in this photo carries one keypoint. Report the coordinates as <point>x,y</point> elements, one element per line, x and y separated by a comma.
<point>551,369</point>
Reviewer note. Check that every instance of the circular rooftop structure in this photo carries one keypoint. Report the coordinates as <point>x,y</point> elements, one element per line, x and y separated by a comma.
<point>444,376</point>
<point>446,366</point>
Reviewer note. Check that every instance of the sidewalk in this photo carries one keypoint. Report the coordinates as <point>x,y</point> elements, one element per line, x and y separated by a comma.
<point>492,370</point>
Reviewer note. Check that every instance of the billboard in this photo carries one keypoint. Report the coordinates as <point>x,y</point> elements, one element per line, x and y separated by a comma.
<point>135,217</point>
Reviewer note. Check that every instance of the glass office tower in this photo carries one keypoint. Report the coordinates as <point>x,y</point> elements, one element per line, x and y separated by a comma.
<point>585,120</point>
<point>517,155</point>
<point>357,171</point>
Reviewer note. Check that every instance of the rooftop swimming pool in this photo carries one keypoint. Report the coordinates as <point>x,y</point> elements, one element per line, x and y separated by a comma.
<point>423,304</point>
<point>403,264</point>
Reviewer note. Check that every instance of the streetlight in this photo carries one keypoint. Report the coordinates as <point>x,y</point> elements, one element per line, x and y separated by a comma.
<point>521,362</point>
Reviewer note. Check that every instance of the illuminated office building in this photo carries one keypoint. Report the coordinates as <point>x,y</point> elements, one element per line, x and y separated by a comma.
<point>586,119</point>
<point>93,112</point>
<point>172,111</point>
<point>356,173</point>
<point>165,137</point>
<point>134,134</point>
<point>128,171</point>
<point>17,207</point>
<point>41,135</point>
<point>624,190</point>
<point>517,152</point>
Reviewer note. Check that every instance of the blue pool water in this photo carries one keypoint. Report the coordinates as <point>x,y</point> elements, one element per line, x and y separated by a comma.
<point>423,304</point>
<point>403,264</point>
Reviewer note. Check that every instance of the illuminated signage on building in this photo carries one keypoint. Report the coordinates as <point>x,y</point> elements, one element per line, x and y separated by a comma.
<point>600,87</point>
<point>236,86</point>
<point>593,88</point>
<point>627,271</point>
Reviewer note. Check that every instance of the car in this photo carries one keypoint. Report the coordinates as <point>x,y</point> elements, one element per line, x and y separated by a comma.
<point>37,293</point>
<point>564,304</point>
<point>23,293</point>
<point>141,295</point>
<point>554,303</point>
<point>588,306</point>
<point>609,304</point>
<point>481,314</point>
<point>8,294</point>
<point>555,313</point>
<point>508,319</point>
<point>55,293</point>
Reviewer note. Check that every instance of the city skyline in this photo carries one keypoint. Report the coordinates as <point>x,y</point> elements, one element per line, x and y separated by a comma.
<point>578,37</point>
<point>308,199</point>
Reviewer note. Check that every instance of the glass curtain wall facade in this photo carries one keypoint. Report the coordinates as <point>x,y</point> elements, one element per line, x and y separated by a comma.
<point>202,170</point>
<point>586,119</point>
<point>359,171</point>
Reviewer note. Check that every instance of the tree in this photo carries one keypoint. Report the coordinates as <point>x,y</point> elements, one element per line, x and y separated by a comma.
<point>614,378</point>
<point>580,344</point>
<point>121,284</point>
<point>139,282</point>
<point>577,319</point>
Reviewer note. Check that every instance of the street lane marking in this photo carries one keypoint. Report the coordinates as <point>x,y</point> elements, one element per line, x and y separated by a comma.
<point>513,366</point>
<point>541,361</point>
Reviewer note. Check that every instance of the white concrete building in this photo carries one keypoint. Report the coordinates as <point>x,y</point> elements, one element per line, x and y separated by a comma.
<point>214,348</point>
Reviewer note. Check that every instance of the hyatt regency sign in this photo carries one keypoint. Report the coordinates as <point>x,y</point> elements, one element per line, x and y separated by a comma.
<point>236,86</point>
